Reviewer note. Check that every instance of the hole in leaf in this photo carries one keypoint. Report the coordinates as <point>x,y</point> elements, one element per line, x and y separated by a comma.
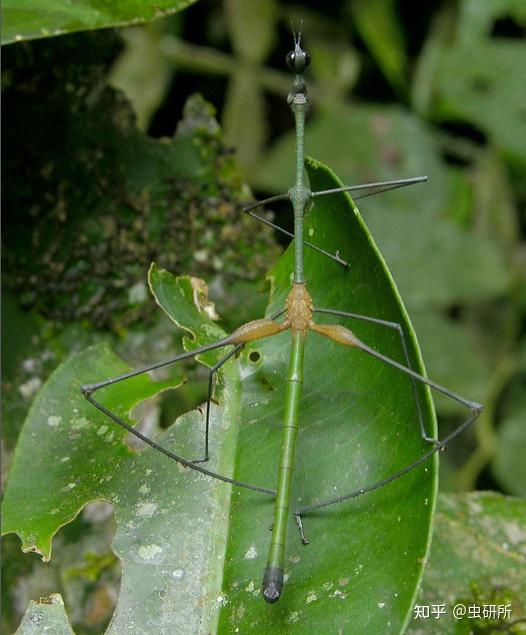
<point>83,565</point>
<point>254,356</point>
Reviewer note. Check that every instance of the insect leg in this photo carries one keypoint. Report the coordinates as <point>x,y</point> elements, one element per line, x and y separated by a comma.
<point>89,389</point>
<point>211,374</point>
<point>345,336</point>
<point>397,327</point>
<point>336,257</point>
<point>172,455</point>
<point>250,331</point>
<point>379,187</point>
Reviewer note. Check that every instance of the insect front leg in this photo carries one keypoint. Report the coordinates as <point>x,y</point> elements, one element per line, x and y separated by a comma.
<point>249,210</point>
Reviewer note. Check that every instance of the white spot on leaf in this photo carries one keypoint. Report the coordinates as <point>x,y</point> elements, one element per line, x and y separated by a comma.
<point>251,553</point>
<point>146,510</point>
<point>149,552</point>
<point>311,597</point>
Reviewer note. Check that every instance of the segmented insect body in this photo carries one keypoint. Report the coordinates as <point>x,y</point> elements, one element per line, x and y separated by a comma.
<point>297,316</point>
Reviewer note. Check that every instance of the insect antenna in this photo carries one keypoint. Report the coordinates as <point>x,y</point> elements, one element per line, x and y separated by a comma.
<point>296,35</point>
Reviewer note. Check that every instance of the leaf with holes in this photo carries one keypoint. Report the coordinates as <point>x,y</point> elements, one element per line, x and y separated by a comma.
<point>193,550</point>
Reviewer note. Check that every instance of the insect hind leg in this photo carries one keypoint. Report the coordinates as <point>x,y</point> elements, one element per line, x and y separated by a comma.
<point>344,336</point>
<point>398,328</point>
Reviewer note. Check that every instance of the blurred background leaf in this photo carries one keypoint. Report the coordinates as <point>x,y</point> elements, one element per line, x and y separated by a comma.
<point>509,467</point>
<point>379,26</point>
<point>483,534</point>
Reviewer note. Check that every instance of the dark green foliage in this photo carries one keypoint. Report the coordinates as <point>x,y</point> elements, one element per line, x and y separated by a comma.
<point>90,202</point>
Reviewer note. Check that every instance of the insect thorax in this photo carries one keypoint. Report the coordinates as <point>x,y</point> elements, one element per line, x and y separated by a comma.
<point>298,308</point>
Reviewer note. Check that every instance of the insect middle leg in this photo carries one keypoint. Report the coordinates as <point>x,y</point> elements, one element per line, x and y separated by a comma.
<point>211,374</point>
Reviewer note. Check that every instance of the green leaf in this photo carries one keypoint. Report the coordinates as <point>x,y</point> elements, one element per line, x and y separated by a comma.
<point>378,24</point>
<point>165,516</point>
<point>31,19</point>
<point>185,301</point>
<point>190,546</point>
<point>47,615</point>
<point>62,421</point>
<point>508,464</point>
<point>357,424</point>
<point>477,82</point>
<point>477,17</point>
<point>477,558</point>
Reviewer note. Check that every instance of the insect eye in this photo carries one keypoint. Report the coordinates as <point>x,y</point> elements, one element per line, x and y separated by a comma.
<point>290,60</point>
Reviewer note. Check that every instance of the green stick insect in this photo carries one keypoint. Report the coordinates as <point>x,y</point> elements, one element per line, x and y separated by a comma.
<point>297,317</point>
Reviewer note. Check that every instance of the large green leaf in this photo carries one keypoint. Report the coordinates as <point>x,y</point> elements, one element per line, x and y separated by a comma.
<point>357,424</point>
<point>31,19</point>
<point>190,546</point>
<point>165,516</point>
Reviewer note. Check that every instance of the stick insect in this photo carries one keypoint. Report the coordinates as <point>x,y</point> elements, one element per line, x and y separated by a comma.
<point>297,317</point>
